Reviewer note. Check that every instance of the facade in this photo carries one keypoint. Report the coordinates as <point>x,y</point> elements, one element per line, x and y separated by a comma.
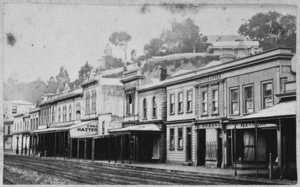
<point>18,128</point>
<point>8,134</point>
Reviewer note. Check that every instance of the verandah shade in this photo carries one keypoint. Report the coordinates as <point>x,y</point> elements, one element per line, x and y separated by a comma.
<point>136,128</point>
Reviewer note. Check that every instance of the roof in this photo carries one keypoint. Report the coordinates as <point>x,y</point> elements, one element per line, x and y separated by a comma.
<point>215,38</point>
<point>284,109</point>
<point>236,44</point>
<point>137,128</point>
<point>178,56</point>
<point>182,71</point>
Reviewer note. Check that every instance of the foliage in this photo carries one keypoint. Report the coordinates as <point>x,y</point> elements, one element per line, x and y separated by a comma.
<point>271,29</point>
<point>120,39</point>
<point>183,37</point>
<point>85,70</point>
<point>62,78</point>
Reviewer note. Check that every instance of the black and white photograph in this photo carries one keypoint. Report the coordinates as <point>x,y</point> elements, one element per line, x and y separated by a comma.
<point>149,93</point>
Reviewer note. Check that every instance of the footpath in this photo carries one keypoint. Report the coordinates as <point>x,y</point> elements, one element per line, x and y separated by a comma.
<point>242,174</point>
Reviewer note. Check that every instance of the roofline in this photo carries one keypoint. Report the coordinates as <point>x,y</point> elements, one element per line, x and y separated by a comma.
<point>59,99</point>
<point>127,79</point>
<point>151,88</point>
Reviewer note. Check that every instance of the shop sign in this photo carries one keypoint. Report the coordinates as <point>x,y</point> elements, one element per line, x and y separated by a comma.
<point>85,130</point>
<point>250,125</point>
<point>209,125</point>
<point>211,78</point>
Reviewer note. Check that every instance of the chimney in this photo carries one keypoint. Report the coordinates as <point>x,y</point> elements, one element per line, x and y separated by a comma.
<point>227,57</point>
<point>163,74</point>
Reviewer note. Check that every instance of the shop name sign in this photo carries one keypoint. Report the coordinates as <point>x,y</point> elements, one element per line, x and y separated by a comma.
<point>250,125</point>
<point>211,78</point>
<point>85,130</point>
<point>209,125</point>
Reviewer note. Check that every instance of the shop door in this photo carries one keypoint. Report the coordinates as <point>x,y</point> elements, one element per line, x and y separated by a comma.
<point>201,147</point>
<point>188,144</point>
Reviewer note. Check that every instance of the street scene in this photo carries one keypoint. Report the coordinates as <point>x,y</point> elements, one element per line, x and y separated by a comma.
<point>139,94</point>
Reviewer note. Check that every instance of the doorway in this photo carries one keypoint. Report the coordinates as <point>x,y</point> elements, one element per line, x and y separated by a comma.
<point>201,147</point>
<point>188,144</point>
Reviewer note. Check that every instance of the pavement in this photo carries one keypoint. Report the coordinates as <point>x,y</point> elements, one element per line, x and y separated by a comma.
<point>242,174</point>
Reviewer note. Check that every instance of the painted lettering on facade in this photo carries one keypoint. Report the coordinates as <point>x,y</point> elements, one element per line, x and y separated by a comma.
<point>209,125</point>
<point>211,78</point>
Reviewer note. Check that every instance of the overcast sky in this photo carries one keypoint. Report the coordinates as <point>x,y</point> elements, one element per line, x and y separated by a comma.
<point>50,36</point>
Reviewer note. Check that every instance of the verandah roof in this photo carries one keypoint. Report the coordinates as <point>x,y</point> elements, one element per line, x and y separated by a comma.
<point>148,128</point>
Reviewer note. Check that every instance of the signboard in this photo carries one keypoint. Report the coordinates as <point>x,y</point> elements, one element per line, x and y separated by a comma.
<point>211,78</point>
<point>209,126</point>
<point>88,129</point>
<point>250,125</point>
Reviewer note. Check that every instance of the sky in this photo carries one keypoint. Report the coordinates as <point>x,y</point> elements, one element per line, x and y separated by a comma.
<point>49,36</point>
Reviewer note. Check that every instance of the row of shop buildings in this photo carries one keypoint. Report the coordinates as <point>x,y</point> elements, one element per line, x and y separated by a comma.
<point>229,113</point>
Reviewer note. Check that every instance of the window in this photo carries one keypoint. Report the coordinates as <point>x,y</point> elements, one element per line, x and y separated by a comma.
<point>248,99</point>
<point>64,113</point>
<point>180,143</point>
<point>172,142</point>
<point>94,102</point>
<point>172,105</point>
<point>154,107</point>
<point>103,127</point>
<point>8,129</point>
<point>70,112</point>
<point>59,113</point>
<point>267,94</point>
<point>87,104</point>
<point>180,103</point>
<point>204,102</point>
<point>53,114</point>
<point>145,108</point>
<point>37,122</point>
<point>78,111</point>
<point>14,109</point>
<point>189,101</point>
<point>234,101</point>
<point>215,103</point>
<point>129,104</point>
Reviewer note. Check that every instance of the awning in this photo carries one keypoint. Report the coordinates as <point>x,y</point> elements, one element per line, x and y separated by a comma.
<point>148,128</point>
<point>281,110</point>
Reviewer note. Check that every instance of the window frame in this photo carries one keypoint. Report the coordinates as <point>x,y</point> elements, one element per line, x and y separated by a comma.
<point>179,138</point>
<point>189,110</point>
<point>180,103</point>
<point>244,98</point>
<point>214,100</point>
<point>154,107</point>
<point>204,102</point>
<point>172,138</point>
<point>145,108</point>
<point>230,100</point>
<point>172,104</point>
<point>262,93</point>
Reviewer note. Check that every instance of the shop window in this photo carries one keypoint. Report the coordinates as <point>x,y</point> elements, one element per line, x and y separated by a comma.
<point>180,140</point>
<point>215,101</point>
<point>267,94</point>
<point>234,101</point>
<point>189,101</point>
<point>172,104</point>
<point>180,102</point>
<point>144,108</point>
<point>204,102</point>
<point>154,107</point>
<point>211,144</point>
<point>248,99</point>
<point>172,141</point>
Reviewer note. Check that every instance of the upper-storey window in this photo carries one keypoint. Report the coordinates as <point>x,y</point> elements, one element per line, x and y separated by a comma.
<point>144,108</point>
<point>78,110</point>
<point>37,122</point>
<point>189,101</point>
<point>103,127</point>
<point>248,99</point>
<point>59,114</point>
<point>14,109</point>
<point>93,98</point>
<point>215,101</point>
<point>53,114</point>
<point>234,101</point>
<point>64,113</point>
<point>70,112</point>
<point>172,103</point>
<point>87,103</point>
<point>267,94</point>
<point>130,104</point>
<point>204,102</point>
<point>180,102</point>
<point>154,115</point>
<point>8,129</point>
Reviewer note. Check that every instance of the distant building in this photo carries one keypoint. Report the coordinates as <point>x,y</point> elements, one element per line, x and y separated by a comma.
<point>11,108</point>
<point>8,134</point>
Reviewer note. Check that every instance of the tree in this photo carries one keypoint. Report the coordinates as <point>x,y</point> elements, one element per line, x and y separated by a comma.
<point>154,47</point>
<point>271,29</point>
<point>62,78</point>
<point>120,39</point>
<point>109,60</point>
<point>51,85</point>
<point>84,71</point>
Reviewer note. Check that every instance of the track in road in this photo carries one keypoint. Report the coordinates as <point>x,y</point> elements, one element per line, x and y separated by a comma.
<point>99,173</point>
